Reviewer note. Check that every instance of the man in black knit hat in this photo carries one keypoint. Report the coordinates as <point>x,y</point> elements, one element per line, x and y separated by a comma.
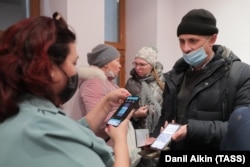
<point>205,85</point>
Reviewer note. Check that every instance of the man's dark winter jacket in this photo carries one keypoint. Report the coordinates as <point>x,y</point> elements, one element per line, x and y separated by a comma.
<point>224,86</point>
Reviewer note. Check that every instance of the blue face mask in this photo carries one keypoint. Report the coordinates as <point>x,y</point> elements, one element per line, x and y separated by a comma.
<point>195,57</point>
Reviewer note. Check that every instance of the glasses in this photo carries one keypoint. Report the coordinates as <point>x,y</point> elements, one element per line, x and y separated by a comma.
<point>141,65</point>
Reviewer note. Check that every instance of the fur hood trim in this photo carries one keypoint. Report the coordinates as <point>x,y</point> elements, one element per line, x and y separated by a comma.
<point>90,72</point>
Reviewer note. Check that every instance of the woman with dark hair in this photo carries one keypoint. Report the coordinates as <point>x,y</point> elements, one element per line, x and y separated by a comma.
<point>38,75</point>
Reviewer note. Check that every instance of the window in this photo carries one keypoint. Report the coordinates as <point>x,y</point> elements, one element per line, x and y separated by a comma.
<point>12,11</point>
<point>115,31</point>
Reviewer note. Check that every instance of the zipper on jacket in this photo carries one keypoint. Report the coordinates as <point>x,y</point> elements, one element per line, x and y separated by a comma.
<point>225,105</point>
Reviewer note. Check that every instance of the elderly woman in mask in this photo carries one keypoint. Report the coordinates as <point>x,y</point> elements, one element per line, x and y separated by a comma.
<point>97,80</point>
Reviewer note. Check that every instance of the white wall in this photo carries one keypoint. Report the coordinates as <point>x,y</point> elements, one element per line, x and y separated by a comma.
<point>150,24</point>
<point>166,38</point>
<point>48,7</point>
<point>232,21</point>
<point>141,29</point>
<point>86,17</point>
<point>154,22</point>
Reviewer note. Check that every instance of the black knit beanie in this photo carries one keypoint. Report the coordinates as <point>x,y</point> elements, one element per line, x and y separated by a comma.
<point>198,22</point>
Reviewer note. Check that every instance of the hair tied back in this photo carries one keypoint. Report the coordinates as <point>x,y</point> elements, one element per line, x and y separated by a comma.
<point>57,16</point>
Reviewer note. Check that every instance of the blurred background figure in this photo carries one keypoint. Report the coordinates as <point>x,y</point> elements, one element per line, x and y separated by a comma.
<point>237,136</point>
<point>97,80</point>
<point>147,82</point>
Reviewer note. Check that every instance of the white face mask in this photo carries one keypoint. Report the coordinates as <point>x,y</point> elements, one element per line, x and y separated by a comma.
<point>110,74</point>
<point>196,57</point>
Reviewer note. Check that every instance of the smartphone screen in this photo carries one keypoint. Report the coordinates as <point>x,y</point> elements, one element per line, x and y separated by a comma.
<point>165,137</point>
<point>124,109</point>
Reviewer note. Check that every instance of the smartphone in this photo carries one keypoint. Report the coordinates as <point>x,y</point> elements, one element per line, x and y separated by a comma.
<point>124,109</point>
<point>165,137</point>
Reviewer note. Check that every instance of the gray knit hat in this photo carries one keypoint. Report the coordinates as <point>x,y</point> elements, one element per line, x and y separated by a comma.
<point>102,54</point>
<point>147,53</point>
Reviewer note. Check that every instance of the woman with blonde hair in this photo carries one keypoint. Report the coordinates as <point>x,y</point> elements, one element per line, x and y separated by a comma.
<point>147,82</point>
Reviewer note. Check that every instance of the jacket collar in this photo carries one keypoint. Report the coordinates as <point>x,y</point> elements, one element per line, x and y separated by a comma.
<point>90,72</point>
<point>41,103</point>
<point>220,52</point>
